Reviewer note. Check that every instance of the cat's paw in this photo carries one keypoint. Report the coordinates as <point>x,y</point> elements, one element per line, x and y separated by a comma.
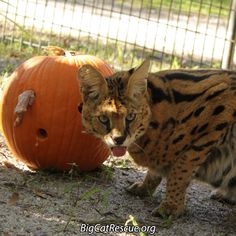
<point>138,189</point>
<point>221,196</point>
<point>166,209</point>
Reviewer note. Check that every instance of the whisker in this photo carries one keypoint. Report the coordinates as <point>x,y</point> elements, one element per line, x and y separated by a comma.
<point>140,148</point>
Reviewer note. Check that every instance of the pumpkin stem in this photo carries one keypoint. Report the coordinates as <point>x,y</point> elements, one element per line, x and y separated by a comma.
<point>25,99</point>
<point>57,51</point>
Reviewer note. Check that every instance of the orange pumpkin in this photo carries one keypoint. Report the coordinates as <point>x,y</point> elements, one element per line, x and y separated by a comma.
<point>40,115</point>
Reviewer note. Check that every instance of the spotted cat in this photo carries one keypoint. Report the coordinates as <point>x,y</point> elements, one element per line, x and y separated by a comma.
<point>180,124</point>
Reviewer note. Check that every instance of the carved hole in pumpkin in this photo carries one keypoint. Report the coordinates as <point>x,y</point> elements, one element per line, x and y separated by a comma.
<point>80,107</point>
<point>42,133</point>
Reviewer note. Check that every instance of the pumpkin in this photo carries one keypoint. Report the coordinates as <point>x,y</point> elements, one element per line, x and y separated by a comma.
<point>40,115</point>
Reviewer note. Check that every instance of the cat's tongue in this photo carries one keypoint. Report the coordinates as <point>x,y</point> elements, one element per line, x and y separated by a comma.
<point>118,151</point>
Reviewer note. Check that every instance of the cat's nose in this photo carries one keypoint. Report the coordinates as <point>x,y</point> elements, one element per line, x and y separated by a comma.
<point>119,140</point>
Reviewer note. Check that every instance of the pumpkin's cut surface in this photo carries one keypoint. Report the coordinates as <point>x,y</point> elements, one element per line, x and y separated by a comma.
<point>50,134</point>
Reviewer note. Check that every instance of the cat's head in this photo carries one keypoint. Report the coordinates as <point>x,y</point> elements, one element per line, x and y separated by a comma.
<point>116,108</point>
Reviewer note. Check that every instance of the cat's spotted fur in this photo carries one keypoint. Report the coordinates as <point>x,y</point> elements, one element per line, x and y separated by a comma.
<point>179,124</point>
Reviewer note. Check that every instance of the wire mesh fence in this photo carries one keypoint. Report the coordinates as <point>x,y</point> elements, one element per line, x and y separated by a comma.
<point>174,33</point>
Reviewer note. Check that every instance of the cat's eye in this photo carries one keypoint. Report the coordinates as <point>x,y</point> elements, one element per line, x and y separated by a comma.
<point>130,117</point>
<point>103,119</point>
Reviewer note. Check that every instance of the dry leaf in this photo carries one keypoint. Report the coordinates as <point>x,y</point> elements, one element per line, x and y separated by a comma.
<point>39,193</point>
<point>10,165</point>
<point>14,198</point>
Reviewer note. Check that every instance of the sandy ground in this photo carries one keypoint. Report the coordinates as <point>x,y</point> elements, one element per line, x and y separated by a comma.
<point>43,203</point>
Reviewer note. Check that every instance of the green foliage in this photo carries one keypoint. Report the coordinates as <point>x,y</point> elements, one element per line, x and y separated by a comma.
<point>7,69</point>
<point>107,172</point>
<point>175,63</point>
<point>87,195</point>
<point>18,51</point>
<point>104,198</point>
<point>206,7</point>
<point>167,220</point>
<point>133,221</point>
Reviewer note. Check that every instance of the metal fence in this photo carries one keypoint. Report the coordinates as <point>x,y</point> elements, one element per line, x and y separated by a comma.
<point>174,33</point>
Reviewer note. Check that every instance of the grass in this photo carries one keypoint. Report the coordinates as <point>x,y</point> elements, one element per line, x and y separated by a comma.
<point>12,55</point>
<point>15,50</point>
<point>134,222</point>
<point>119,55</point>
<point>206,7</point>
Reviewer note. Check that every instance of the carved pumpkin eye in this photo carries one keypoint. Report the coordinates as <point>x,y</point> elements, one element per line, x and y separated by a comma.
<point>130,117</point>
<point>103,119</point>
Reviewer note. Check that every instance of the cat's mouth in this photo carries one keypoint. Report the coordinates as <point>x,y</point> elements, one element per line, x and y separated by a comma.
<point>118,151</point>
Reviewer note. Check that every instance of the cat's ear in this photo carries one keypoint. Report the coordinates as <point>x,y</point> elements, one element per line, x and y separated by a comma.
<point>92,83</point>
<point>137,84</point>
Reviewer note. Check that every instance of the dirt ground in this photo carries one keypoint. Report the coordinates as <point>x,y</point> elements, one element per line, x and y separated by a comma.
<point>44,203</point>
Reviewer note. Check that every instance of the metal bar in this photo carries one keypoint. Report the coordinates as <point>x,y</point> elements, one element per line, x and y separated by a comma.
<point>185,33</point>
<point>233,36</point>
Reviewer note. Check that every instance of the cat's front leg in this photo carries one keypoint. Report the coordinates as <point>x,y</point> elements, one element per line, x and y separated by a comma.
<point>178,180</point>
<point>147,187</point>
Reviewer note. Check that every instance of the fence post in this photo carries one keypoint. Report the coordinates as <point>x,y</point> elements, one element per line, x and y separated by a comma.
<point>230,59</point>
